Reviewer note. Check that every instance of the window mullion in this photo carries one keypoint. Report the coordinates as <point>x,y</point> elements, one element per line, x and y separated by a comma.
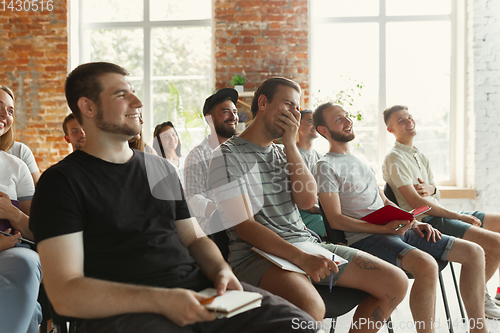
<point>382,101</point>
<point>147,109</point>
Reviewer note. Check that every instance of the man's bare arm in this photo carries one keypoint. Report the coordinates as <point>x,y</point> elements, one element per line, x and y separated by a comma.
<point>207,255</point>
<point>74,295</point>
<point>415,200</point>
<point>303,185</point>
<point>331,205</point>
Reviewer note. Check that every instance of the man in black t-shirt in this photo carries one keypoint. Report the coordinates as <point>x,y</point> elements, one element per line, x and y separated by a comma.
<point>118,246</point>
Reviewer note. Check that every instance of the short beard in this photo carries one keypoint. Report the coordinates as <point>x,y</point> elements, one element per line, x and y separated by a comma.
<point>341,137</point>
<point>112,128</point>
<point>223,132</point>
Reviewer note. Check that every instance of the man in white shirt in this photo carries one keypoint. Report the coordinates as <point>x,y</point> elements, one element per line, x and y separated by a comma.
<point>348,191</point>
<point>408,173</point>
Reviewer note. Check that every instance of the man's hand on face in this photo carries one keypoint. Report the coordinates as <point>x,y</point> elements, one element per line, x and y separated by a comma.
<point>289,121</point>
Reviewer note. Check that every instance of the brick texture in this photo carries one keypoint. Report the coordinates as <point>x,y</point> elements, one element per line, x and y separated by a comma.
<point>34,63</point>
<point>261,39</point>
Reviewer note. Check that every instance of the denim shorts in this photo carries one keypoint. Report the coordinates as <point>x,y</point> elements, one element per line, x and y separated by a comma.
<point>392,248</point>
<point>452,227</point>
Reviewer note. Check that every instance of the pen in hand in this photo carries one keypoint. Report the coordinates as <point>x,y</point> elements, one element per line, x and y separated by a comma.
<point>331,273</point>
<point>22,239</point>
<point>208,300</point>
<point>399,227</point>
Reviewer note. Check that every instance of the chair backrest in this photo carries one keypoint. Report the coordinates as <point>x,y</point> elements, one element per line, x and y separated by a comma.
<point>334,236</point>
<point>389,194</point>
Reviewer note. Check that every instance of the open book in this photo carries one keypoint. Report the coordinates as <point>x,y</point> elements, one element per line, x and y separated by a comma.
<point>390,213</point>
<point>308,247</point>
<point>232,302</point>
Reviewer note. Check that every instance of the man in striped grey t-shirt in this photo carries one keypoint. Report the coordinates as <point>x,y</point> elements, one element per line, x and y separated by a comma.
<point>259,186</point>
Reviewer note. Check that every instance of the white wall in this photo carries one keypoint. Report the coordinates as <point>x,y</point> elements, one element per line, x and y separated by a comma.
<point>483,150</point>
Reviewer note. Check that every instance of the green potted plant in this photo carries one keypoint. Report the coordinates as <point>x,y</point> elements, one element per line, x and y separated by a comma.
<point>238,81</point>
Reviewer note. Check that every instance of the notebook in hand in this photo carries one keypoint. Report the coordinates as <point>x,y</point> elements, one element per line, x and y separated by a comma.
<point>308,247</point>
<point>232,302</point>
<point>390,213</point>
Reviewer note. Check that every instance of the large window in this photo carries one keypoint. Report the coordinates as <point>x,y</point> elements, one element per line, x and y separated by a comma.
<point>400,52</point>
<point>166,45</point>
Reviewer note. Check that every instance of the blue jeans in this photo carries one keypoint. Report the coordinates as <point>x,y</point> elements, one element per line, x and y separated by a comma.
<point>392,248</point>
<point>20,277</point>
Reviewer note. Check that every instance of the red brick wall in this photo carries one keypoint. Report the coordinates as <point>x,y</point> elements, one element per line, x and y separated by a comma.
<point>34,63</point>
<point>261,38</point>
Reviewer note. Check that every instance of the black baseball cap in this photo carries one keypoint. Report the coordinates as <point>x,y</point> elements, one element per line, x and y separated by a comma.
<point>218,97</point>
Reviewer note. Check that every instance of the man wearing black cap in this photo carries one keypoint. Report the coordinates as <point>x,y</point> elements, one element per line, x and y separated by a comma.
<point>222,116</point>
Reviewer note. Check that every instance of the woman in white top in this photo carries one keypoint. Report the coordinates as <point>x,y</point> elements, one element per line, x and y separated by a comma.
<point>166,143</point>
<point>18,149</point>
<point>20,272</point>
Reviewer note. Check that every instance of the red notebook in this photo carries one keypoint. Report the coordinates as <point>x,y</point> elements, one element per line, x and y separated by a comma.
<point>390,213</point>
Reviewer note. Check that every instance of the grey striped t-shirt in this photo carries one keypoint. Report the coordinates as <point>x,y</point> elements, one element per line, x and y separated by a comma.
<point>240,167</point>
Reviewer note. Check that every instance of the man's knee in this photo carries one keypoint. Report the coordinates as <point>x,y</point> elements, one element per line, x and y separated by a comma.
<point>420,264</point>
<point>475,255</point>
<point>492,246</point>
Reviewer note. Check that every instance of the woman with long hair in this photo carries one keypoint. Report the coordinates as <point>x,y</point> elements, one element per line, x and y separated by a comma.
<point>18,149</point>
<point>20,273</point>
<point>166,143</point>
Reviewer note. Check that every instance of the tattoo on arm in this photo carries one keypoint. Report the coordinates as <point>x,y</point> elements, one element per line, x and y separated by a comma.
<point>365,263</point>
<point>391,301</point>
<point>378,314</point>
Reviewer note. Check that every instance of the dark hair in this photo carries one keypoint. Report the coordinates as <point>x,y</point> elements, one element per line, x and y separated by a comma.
<point>303,112</point>
<point>156,134</point>
<point>68,118</point>
<point>212,109</point>
<point>318,119</point>
<point>84,81</point>
<point>268,88</point>
<point>7,139</point>
<point>388,112</point>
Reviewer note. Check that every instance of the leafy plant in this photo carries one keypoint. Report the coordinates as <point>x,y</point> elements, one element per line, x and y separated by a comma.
<point>345,97</point>
<point>238,80</point>
<point>184,118</point>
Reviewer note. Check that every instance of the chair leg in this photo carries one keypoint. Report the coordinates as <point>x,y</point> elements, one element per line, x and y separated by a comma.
<point>457,290</point>
<point>389,324</point>
<point>332,327</point>
<point>43,326</point>
<point>445,302</point>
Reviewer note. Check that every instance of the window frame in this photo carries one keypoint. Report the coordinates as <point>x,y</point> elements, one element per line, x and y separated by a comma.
<point>458,85</point>
<point>78,53</point>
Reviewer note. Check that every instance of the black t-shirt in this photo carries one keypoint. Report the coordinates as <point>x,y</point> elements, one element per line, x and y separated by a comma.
<point>126,212</point>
